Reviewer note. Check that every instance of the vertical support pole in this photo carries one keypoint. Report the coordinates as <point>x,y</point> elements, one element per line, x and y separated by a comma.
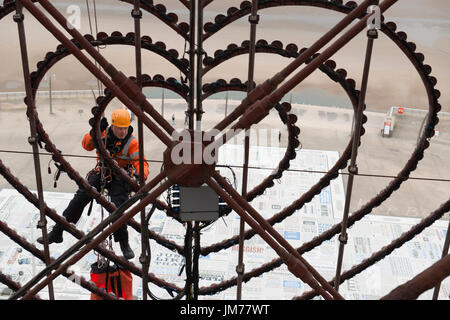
<point>188,260</point>
<point>191,64</point>
<point>226,103</point>
<point>136,13</point>
<point>33,139</point>
<point>199,108</point>
<point>50,93</point>
<point>199,112</point>
<point>353,169</point>
<point>195,268</point>
<point>162,102</point>
<point>253,19</point>
<point>189,226</point>
<point>444,253</point>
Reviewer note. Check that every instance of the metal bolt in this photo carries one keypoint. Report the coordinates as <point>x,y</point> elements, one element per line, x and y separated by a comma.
<point>343,238</point>
<point>41,223</point>
<point>372,33</point>
<point>18,17</point>
<point>353,169</point>
<point>240,269</point>
<point>253,19</point>
<point>143,259</point>
<point>136,13</point>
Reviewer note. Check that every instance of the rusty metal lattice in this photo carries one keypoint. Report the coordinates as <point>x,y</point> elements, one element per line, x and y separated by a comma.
<point>255,107</point>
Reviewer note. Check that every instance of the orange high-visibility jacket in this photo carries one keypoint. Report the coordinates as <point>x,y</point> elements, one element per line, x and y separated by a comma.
<point>128,156</point>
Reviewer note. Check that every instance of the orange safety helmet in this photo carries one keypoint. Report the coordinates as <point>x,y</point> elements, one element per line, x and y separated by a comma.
<point>120,118</point>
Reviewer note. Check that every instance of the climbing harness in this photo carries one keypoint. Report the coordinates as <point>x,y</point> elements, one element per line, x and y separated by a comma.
<point>112,278</point>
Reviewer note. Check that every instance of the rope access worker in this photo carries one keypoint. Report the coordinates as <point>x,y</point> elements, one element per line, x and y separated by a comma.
<point>124,149</point>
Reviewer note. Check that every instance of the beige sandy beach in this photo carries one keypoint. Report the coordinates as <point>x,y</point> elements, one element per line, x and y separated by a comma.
<point>392,82</point>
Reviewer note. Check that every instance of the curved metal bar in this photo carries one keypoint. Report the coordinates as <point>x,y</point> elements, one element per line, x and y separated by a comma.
<point>156,81</point>
<point>117,220</point>
<point>233,13</point>
<point>417,155</point>
<point>101,149</point>
<point>33,139</point>
<point>294,264</point>
<point>424,281</point>
<point>11,284</point>
<point>51,213</point>
<point>388,249</point>
<point>285,244</point>
<point>348,84</point>
<point>269,86</point>
<point>262,46</point>
<point>51,58</point>
<point>429,82</point>
<point>158,11</point>
<point>41,255</point>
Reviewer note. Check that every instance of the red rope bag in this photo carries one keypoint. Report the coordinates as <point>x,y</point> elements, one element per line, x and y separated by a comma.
<point>114,280</point>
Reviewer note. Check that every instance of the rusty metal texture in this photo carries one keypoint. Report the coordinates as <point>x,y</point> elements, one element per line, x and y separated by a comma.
<point>69,227</point>
<point>424,281</point>
<point>388,249</point>
<point>269,95</point>
<point>40,254</point>
<point>159,11</point>
<point>13,285</point>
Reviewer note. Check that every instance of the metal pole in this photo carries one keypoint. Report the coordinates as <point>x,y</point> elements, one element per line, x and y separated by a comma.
<point>50,93</point>
<point>188,260</point>
<point>199,63</point>
<point>92,243</point>
<point>353,169</point>
<point>260,109</point>
<point>289,257</point>
<point>162,102</point>
<point>195,231</point>
<point>189,226</point>
<point>226,103</point>
<point>235,196</point>
<point>444,253</point>
<point>136,13</point>
<point>422,282</point>
<point>271,84</point>
<point>196,256</point>
<point>127,87</point>
<point>33,139</point>
<point>118,77</point>
<point>253,19</point>
<point>191,64</point>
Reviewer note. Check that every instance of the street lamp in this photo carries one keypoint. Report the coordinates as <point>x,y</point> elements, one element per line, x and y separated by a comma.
<point>50,89</point>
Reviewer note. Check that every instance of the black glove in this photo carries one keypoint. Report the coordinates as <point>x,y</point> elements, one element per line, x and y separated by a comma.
<point>103,124</point>
<point>110,143</point>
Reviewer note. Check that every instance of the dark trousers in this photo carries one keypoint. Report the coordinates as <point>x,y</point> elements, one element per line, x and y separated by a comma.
<point>118,191</point>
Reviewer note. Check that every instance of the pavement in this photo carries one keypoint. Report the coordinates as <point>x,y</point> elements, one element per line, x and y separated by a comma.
<point>322,128</point>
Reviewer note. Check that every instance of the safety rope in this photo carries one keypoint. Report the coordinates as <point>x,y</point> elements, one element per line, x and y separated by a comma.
<point>102,262</point>
<point>99,83</point>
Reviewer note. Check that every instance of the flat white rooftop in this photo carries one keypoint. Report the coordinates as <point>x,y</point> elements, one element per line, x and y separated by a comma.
<point>325,210</point>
